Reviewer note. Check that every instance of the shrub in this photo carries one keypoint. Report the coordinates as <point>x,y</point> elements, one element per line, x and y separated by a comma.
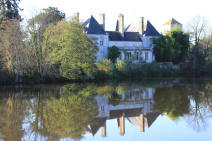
<point>207,68</point>
<point>121,66</point>
<point>105,69</point>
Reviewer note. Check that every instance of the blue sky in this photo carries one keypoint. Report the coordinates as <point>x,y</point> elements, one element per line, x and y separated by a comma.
<point>157,11</point>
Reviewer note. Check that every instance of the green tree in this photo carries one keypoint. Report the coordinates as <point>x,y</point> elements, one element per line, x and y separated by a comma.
<point>48,16</point>
<point>36,28</point>
<point>172,47</point>
<point>113,53</point>
<point>67,46</point>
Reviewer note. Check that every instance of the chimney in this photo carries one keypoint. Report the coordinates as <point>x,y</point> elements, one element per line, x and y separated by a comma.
<point>141,25</point>
<point>103,129</point>
<point>121,23</point>
<point>76,17</point>
<point>102,20</point>
<point>141,122</point>
<point>122,125</point>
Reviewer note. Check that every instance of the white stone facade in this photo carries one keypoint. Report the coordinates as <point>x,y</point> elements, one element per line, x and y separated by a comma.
<point>132,51</point>
<point>135,46</point>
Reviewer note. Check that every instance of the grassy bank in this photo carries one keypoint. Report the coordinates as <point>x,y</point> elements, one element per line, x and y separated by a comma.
<point>121,71</point>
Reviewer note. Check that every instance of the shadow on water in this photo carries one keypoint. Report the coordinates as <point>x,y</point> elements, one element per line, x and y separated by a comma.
<point>75,111</point>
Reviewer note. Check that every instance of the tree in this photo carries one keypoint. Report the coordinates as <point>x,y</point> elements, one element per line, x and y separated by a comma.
<point>48,16</point>
<point>113,53</point>
<point>67,46</point>
<point>172,47</point>
<point>206,47</point>
<point>36,28</point>
<point>197,30</point>
<point>13,49</point>
<point>9,9</point>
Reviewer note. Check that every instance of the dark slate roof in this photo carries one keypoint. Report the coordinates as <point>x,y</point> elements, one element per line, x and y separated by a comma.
<point>131,36</point>
<point>86,22</point>
<point>114,36</point>
<point>150,30</point>
<point>151,117</point>
<point>93,27</point>
<point>98,122</point>
<point>128,36</point>
<point>128,113</point>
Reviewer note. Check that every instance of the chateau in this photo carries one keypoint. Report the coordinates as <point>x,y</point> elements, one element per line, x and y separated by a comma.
<point>134,42</point>
<point>135,46</point>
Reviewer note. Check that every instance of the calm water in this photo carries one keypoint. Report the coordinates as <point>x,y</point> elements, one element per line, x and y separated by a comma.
<point>175,110</point>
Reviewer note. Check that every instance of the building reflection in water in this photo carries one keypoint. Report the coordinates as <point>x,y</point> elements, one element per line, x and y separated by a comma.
<point>135,105</point>
<point>72,111</point>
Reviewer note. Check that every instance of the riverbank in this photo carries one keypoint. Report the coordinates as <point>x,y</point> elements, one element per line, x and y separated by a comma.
<point>121,71</point>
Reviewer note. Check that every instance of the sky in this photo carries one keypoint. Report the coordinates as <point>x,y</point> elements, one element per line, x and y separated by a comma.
<point>157,11</point>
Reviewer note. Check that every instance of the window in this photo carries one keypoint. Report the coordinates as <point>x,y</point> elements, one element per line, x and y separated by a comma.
<point>146,56</point>
<point>128,56</point>
<point>137,55</point>
<point>102,108</point>
<point>101,43</point>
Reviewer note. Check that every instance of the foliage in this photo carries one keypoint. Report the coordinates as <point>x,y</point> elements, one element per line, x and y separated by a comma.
<point>36,28</point>
<point>205,48</point>
<point>147,70</point>
<point>15,55</point>
<point>9,9</point>
<point>105,69</point>
<point>172,47</point>
<point>207,68</point>
<point>67,45</point>
<point>121,66</point>
<point>48,16</point>
<point>113,53</point>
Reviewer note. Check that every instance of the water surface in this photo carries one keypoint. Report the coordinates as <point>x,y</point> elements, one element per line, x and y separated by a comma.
<point>150,110</point>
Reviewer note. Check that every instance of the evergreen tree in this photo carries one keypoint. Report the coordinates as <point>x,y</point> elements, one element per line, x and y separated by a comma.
<point>113,53</point>
<point>9,9</point>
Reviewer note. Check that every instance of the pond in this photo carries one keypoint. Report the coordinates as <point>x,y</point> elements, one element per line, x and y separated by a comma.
<point>159,110</point>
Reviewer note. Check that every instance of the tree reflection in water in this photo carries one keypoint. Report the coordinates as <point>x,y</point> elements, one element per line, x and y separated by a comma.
<point>172,101</point>
<point>72,111</point>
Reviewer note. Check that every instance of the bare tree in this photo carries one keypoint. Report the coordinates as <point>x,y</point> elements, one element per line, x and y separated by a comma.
<point>198,30</point>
